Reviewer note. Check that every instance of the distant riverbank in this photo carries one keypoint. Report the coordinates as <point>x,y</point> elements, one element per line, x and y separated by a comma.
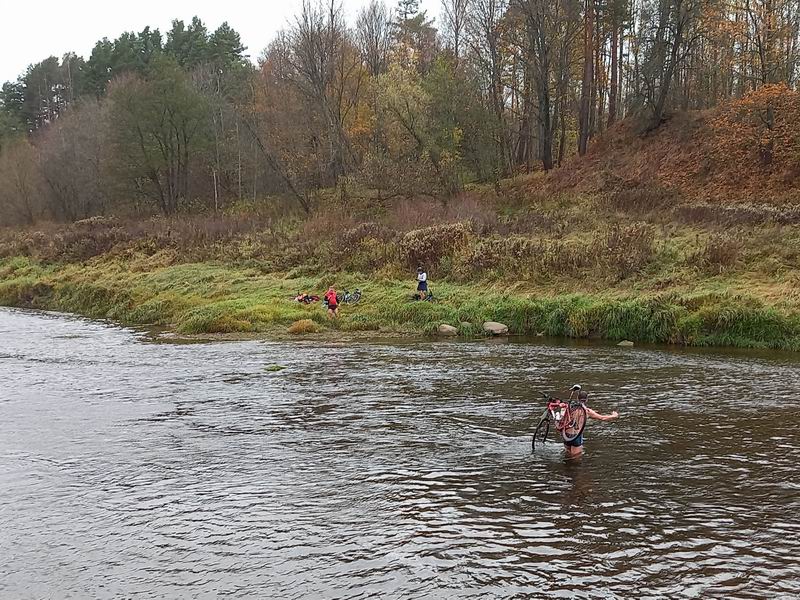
<point>218,298</point>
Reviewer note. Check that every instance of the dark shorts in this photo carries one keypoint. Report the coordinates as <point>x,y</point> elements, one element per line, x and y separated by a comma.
<point>332,306</point>
<point>577,442</point>
<point>422,286</point>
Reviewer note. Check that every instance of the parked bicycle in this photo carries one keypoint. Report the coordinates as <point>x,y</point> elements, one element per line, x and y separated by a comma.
<point>347,297</point>
<point>429,297</point>
<point>567,419</point>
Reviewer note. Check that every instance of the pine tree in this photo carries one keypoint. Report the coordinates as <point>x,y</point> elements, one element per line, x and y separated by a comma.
<point>407,9</point>
<point>189,45</point>
<point>98,67</point>
<point>225,46</point>
<point>11,127</point>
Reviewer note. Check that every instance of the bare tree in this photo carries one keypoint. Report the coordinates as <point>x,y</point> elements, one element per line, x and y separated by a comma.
<point>374,35</point>
<point>773,35</point>
<point>673,38</point>
<point>454,21</point>
<point>584,115</point>
<point>327,69</point>
<point>616,18</point>
<point>72,157</point>
<point>20,184</point>
<point>549,33</point>
<point>485,33</point>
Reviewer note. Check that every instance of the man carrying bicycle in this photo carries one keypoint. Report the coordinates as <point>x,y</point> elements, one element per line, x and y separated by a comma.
<point>574,448</point>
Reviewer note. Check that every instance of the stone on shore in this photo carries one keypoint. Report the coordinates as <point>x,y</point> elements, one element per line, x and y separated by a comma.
<point>625,343</point>
<point>495,328</point>
<point>445,329</point>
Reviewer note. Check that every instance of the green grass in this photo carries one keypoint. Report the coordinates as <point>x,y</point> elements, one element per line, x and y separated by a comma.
<point>223,298</point>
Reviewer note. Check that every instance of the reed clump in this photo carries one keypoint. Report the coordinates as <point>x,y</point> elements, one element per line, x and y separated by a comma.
<point>303,326</point>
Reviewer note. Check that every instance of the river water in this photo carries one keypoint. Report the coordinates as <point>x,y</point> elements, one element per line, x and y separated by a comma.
<point>133,469</point>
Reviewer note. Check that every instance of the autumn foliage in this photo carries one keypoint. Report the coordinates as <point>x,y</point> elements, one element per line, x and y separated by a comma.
<point>746,150</point>
<point>761,133</point>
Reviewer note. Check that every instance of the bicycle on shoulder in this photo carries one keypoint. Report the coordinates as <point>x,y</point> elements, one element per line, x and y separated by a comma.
<point>566,418</point>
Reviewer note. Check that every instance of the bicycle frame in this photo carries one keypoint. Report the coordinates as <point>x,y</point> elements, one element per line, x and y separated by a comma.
<point>348,297</point>
<point>564,415</point>
<point>559,412</point>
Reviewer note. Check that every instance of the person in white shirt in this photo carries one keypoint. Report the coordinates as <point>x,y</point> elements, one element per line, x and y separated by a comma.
<point>422,283</point>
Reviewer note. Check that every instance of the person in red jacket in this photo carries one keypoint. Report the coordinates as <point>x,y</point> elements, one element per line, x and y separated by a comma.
<point>333,303</point>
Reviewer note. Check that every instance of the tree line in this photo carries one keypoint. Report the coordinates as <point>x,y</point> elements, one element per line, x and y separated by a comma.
<point>392,103</point>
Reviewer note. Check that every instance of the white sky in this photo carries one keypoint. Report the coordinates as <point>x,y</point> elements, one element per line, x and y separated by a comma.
<point>32,32</point>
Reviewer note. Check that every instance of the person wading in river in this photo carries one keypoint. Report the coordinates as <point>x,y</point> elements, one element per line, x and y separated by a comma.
<point>574,449</point>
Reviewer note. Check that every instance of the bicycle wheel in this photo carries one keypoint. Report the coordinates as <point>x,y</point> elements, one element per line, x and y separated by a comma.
<point>355,297</point>
<point>540,435</point>
<point>577,421</point>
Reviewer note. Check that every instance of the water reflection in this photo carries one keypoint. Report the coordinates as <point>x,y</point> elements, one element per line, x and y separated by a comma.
<point>402,470</point>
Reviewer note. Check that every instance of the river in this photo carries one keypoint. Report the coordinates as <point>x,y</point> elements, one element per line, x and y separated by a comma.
<point>134,469</point>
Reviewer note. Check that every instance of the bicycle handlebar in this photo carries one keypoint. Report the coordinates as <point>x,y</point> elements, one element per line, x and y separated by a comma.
<point>550,398</point>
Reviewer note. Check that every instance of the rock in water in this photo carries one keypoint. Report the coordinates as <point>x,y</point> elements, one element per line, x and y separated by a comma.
<point>495,328</point>
<point>445,329</point>
<point>625,343</point>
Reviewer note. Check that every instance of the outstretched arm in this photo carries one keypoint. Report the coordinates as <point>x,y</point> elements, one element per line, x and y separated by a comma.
<point>597,416</point>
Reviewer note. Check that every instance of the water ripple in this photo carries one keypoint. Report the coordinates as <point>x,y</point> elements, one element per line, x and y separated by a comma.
<point>401,470</point>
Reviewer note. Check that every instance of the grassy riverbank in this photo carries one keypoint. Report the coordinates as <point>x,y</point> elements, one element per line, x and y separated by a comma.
<point>223,298</point>
<point>633,241</point>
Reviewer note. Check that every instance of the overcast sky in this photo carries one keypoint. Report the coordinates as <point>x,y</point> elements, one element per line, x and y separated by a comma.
<point>32,31</point>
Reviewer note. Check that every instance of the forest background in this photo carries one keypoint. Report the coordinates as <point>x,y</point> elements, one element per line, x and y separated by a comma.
<point>585,155</point>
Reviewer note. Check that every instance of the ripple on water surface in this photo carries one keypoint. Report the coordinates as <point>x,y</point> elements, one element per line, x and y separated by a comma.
<point>404,470</point>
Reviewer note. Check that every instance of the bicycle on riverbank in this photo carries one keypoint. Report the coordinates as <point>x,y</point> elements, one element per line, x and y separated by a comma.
<point>429,297</point>
<point>567,418</point>
<point>347,297</point>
